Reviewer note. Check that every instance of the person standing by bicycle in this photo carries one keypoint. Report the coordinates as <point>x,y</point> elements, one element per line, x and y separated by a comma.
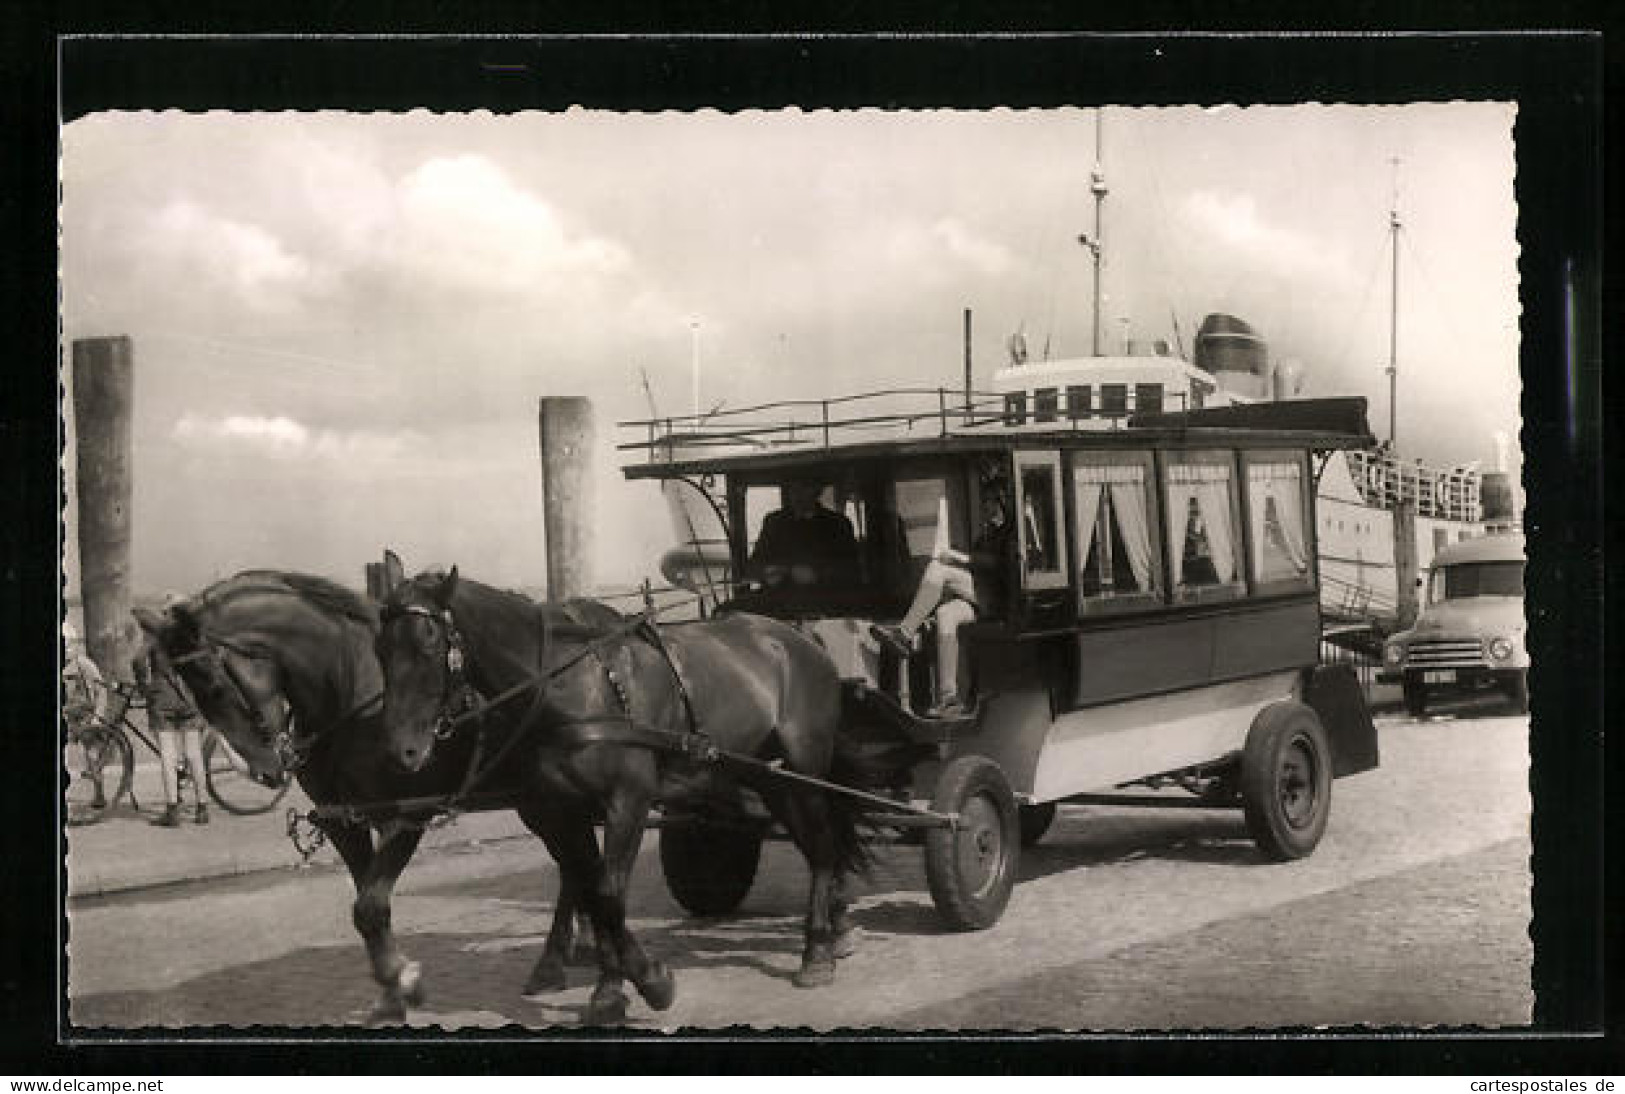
<point>84,691</point>
<point>173,717</point>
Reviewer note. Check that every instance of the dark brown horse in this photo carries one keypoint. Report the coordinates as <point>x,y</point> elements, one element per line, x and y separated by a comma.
<point>263,644</point>
<point>601,718</point>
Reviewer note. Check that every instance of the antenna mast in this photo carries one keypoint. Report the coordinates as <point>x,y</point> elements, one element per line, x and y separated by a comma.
<point>1393,311</point>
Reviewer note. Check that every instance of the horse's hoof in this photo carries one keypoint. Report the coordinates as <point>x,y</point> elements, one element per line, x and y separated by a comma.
<point>846,943</point>
<point>409,984</point>
<point>816,973</point>
<point>658,987</point>
<point>388,1011</point>
<point>606,1008</point>
<point>547,976</point>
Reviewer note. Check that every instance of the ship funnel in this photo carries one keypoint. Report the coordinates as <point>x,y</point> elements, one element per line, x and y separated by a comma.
<point>1233,353</point>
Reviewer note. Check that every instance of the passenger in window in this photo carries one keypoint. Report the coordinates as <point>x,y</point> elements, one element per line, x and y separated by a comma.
<point>805,543</point>
<point>1197,568</point>
<point>953,589</point>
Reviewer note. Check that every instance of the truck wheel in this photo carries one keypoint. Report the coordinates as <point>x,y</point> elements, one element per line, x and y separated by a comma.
<point>1286,781</point>
<point>709,868</point>
<point>1035,821</point>
<point>971,867</point>
<point>1518,693</point>
<point>1416,698</point>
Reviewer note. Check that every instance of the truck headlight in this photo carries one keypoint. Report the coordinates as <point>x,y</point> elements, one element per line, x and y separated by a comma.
<point>1393,653</point>
<point>1501,648</point>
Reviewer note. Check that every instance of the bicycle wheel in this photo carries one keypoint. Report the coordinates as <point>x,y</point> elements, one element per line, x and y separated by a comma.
<point>100,767</point>
<point>232,785</point>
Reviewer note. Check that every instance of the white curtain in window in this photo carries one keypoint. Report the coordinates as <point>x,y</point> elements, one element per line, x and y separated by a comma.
<point>1214,498</point>
<point>1283,484</point>
<point>1179,499</point>
<point>1088,507</point>
<point>1128,502</point>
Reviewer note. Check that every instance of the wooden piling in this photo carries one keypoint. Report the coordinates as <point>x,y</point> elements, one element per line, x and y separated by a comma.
<point>103,391</point>
<point>565,425</point>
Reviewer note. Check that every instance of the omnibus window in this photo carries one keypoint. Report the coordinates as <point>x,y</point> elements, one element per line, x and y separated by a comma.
<point>1114,530</point>
<point>1468,579</point>
<point>918,501</point>
<point>1275,506</point>
<point>1201,527</point>
<point>1038,519</point>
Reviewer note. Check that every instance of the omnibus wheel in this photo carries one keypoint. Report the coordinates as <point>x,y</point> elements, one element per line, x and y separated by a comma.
<point>1035,821</point>
<point>100,768</point>
<point>971,867</point>
<point>232,785</point>
<point>709,867</point>
<point>1286,781</point>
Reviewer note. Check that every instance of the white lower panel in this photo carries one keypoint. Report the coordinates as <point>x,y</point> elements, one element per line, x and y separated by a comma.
<point>1098,748</point>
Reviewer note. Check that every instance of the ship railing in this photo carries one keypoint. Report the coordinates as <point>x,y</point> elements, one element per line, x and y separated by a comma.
<point>875,415</point>
<point>1387,482</point>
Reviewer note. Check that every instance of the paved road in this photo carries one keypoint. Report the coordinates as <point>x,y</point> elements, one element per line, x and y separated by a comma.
<point>1413,911</point>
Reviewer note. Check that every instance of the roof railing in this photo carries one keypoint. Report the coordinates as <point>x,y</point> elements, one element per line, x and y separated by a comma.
<point>851,419</point>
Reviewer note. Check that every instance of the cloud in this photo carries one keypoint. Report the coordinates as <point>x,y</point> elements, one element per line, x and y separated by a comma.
<point>948,247</point>
<point>244,259</point>
<point>284,438</point>
<point>1233,220</point>
<point>462,222</point>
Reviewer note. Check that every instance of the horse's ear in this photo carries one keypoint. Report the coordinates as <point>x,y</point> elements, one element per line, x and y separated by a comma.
<point>181,626</point>
<point>394,572</point>
<point>443,591</point>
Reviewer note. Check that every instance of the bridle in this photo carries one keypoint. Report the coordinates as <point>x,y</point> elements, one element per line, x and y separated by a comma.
<point>461,702</point>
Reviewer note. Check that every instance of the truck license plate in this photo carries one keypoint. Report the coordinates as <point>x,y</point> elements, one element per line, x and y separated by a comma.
<point>1439,676</point>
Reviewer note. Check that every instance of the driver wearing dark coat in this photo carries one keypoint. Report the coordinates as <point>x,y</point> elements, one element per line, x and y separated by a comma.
<point>805,543</point>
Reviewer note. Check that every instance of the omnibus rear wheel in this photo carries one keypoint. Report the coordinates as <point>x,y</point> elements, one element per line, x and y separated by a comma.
<point>971,867</point>
<point>1286,781</point>
<point>709,867</point>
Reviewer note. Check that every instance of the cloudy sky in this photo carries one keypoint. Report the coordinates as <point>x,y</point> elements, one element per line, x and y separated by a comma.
<point>342,322</point>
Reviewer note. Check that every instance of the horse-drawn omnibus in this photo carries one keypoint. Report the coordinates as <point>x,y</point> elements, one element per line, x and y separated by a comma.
<point>1136,614</point>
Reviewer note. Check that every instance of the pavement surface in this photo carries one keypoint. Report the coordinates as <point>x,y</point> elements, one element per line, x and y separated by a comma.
<point>124,851</point>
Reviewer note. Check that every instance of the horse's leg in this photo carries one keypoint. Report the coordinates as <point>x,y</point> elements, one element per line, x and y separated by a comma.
<point>840,917</point>
<point>568,833</point>
<point>805,814</point>
<point>548,974</point>
<point>374,872</point>
<point>624,818</point>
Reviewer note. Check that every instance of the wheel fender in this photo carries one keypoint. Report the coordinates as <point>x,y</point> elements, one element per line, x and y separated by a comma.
<point>1333,692</point>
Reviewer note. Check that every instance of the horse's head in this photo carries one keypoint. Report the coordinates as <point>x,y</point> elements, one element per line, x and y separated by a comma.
<point>422,659</point>
<point>237,687</point>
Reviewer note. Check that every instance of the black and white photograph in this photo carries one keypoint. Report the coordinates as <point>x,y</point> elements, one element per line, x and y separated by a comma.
<point>1048,568</point>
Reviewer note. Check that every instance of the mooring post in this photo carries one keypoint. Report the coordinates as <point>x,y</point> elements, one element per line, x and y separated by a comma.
<point>103,388</point>
<point>566,431</point>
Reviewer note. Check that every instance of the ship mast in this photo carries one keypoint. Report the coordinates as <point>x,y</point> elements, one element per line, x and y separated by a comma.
<point>1097,186</point>
<point>1393,311</point>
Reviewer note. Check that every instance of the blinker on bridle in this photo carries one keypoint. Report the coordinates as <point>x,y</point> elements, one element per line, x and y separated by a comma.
<point>458,695</point>
<point>220,666</point>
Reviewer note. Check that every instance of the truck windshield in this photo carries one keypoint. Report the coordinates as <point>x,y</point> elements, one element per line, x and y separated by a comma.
<point>1477,579</point>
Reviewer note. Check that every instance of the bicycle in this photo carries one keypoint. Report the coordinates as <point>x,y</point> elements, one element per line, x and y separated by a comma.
<point>100,760</point>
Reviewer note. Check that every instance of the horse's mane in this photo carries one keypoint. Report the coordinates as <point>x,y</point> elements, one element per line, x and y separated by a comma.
<point>320,592</point>
<point>576,620</point>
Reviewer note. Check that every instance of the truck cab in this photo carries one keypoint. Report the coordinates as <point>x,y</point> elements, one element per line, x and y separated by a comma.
<point>1469,635</point>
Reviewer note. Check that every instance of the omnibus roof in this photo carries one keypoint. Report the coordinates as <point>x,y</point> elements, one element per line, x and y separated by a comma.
<point>1317,424</point>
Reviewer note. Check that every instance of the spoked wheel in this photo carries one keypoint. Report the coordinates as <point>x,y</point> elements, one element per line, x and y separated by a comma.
<point>709,867</point>
<point>971,867</point>
<point>233,785</point>
<point>100,766</point>
<point>1286,781</point>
